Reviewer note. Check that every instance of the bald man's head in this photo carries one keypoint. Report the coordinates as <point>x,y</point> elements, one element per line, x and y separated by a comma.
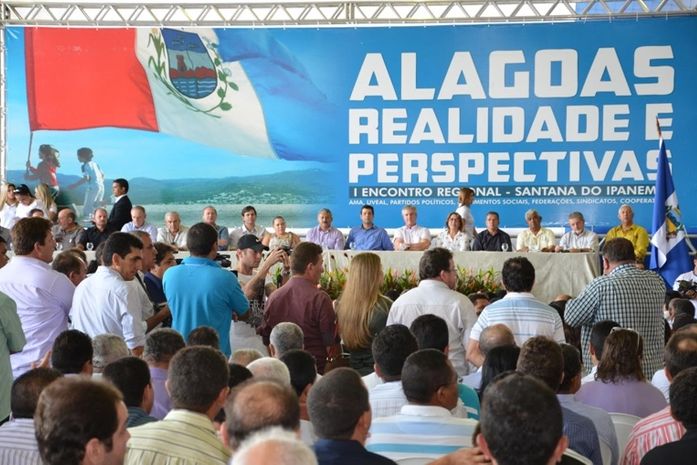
<point>257,405</point>
<point>495,336</point>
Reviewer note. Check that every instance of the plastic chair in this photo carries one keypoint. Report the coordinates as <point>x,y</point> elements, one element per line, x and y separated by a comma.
<point>413,461</point>
<point>578,457</point>
<point>605,452</point>
<point>623,424</point>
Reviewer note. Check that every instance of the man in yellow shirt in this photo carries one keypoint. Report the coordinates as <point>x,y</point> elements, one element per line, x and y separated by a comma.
<point>636,234</point>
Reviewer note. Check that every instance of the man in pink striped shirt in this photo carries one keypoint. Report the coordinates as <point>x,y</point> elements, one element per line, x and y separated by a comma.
<point>661,428</point>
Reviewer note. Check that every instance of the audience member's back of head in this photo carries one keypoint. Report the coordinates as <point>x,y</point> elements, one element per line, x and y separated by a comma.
<point>67,262</point>
<point>255,405</point>
<point>27,388</point>
<point>273,446</point>
<point>72,411</point>
<point>286,336</point>
<point>541,357</point>
<point>572,367</point>
<point>433,262</point>
<point>130,375</point>
<point>200,239</point>
<point>521,421</point>
<point>495,336</point>
<point>599,332</point>
<point>304,254</point>
<point>238,374</point>
<point>621,358</point>
<point>196,377</point>
<point>619,250</point>
<point>499,360</point>
<point>204,336</point>
<point>683,392</point>
<point>161,345</point>
<point>107,348</point>
<point>270,368</point>
<point>426,372</point>
<point>518,275</point>
<point>336,403</point>
<point>680,353</point>
<point>301,365</point>
<point>431,332</point>
<point>391,347</point>
<point>72,352</point>
<point>245,356</point>
<point>683,307</point>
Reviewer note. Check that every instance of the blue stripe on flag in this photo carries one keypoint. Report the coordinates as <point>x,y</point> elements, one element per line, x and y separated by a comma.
<point>302,123</point>
<point>670,255</point>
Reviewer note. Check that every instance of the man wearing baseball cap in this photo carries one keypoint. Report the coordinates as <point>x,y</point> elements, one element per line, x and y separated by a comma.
<point>257,287</point>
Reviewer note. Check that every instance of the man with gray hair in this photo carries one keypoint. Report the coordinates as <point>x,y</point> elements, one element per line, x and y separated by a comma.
<point>137,223</point>
<point>535,238</point>
<point>107,348</point>
<point>284,337</point>
<point>324,234</point>
<point>160,347</point>
<point>411,236</point>
<point>271,369</point>
<point>173,233</point>
<point>578,239</point>
<point>274,445</point>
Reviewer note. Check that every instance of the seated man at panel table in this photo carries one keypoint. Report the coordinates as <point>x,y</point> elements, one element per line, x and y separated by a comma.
<point>90,238</point>
<point>138,223</point>
<point>535,238</point>
<point>210,216</point>
<point>324,234</point>
<point>67,230</point>
<point>173,233</point>
<point>579,239</point>
<point>249,226</point>
<point>367,236</point>
<point>492,239</point>
<point>636,234</point>
<point>411,236</point>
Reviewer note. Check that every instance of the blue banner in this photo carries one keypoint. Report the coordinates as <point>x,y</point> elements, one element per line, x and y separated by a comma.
<point>556,117</point>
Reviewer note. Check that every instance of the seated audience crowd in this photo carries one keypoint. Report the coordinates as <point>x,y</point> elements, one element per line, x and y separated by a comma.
<point>146,361</point>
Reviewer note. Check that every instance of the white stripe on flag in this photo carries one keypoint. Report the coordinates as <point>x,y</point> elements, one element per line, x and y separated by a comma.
<point>660,239</point>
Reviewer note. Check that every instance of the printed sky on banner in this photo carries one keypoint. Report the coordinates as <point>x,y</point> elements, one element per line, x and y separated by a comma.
<point>557,117</point>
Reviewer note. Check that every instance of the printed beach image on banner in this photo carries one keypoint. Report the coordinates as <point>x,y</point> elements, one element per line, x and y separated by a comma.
<point>556,117</point>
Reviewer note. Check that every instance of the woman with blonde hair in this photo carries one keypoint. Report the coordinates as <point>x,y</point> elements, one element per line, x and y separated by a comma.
<point>8,205</point>
<point>361,310</point>
<point>620,385</point>
<point>48,204</point>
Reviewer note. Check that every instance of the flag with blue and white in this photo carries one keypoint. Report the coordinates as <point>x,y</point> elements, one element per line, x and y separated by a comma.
<point>670,254</point>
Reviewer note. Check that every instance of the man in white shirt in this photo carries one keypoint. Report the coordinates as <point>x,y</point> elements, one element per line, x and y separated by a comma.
<point>43,296</point>
<point>578,239</point>
<point>105,302</point>
<point>435,295</point>
<point>138,223</point>
<point>173,233</point>
<point>411,236</point>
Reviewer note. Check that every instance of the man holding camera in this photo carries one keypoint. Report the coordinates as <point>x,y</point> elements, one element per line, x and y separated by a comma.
<point>200,293</point>
<point>257,287</point>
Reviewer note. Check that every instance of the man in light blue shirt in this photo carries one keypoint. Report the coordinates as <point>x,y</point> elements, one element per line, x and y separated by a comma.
<point>367,236</point>
<point>199,292</point>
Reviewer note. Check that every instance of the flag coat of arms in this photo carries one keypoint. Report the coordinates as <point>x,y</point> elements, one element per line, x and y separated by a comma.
<point>669,254</point>
<point>239,90</point>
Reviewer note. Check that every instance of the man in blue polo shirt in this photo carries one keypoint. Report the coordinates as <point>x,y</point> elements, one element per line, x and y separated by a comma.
<point>199,292</point>
<point>367,236</point>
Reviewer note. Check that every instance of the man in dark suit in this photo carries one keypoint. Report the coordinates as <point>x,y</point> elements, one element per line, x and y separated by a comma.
<point>121,211</point>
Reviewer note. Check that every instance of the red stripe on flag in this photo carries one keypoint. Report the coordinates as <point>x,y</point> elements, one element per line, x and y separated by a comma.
<point>86,78</point>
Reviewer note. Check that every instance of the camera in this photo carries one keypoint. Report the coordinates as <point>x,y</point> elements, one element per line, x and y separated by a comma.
<point>287,250</point>
<point>224,260</point>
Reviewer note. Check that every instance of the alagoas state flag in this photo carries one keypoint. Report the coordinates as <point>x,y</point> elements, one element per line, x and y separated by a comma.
<point>239,90</point>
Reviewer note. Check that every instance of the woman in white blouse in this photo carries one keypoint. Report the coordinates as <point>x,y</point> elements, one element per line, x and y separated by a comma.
<point>453,238</point>
<point>8,206</point>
